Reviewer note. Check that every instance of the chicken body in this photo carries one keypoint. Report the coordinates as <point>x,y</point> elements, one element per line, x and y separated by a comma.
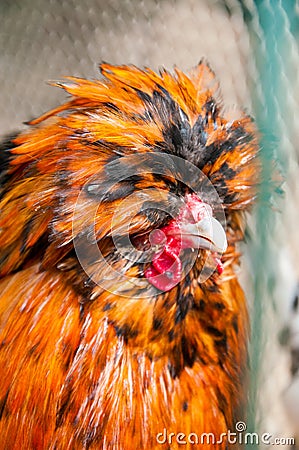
<point>86,361</point>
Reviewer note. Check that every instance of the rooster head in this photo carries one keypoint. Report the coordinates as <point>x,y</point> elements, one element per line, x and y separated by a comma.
<point>147,166</point>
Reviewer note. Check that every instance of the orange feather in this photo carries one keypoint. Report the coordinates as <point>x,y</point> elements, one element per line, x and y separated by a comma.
<point>84,367</point>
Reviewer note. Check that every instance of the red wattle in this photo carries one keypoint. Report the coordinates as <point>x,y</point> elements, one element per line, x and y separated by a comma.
<point>166,269</point>
<point>219,267</point>
<point>163,262</point>
<point>165,280</point>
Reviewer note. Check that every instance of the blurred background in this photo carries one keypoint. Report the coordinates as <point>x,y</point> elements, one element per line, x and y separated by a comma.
<point>253,48</point>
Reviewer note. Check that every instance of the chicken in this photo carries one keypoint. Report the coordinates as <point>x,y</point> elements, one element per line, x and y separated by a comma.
<point>123,325</point>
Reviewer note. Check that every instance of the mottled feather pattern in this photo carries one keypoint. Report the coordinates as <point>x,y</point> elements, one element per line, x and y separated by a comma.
<point>85,368</point>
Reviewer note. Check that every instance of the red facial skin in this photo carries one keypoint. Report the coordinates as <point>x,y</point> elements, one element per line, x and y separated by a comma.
<point>165,270</point>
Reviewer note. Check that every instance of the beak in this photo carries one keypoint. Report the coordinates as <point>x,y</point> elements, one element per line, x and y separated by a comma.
<point>207,234</point>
